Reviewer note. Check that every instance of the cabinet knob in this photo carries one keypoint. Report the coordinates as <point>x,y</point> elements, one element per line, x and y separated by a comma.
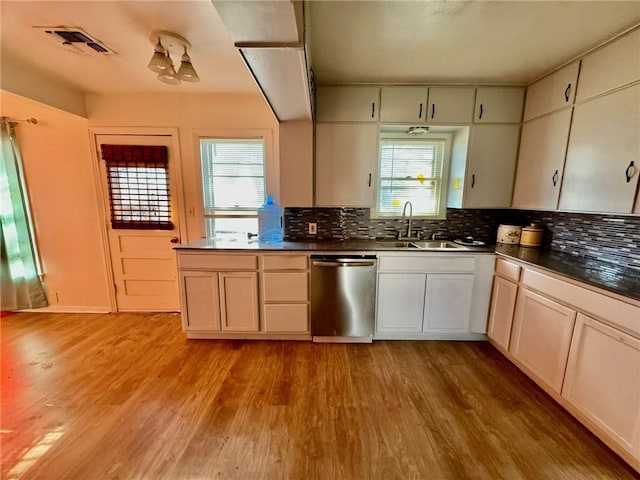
<point>174,240</point>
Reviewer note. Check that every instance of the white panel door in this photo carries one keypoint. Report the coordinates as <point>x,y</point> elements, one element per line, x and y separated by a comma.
<point>346,163</point>
<point>541,337</point>
<point>493,152</point>
<point>142,260</point>
<point>543,145</point>
<point>503,305</point>
<point>400,302</point>
<point>603,157</point>
<point>447,304</point>
<point>603,380</point>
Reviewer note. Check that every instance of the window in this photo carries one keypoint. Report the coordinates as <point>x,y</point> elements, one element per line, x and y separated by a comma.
<point>138,180</point>
<point>233,184</point>
<point>412,169</point>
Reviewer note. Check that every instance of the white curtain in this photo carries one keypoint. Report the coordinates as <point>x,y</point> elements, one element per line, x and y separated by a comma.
<point>21,286</point>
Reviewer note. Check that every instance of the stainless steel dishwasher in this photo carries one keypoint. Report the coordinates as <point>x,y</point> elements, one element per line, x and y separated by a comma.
<point>343,293</point>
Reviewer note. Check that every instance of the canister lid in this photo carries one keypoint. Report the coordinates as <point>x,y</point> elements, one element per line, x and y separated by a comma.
<point>534,227</point>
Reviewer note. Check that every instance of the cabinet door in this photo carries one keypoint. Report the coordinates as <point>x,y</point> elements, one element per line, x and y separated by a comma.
<point>403,104</point>
<point>603,380</point>
<point>543,146</point>
<point>346,162</point>
<point>610,67</point>
<point>603,157</point>
<point>239,301</point>
<point>200,301</point>
<point>450,104</point>
<point>347,104</point>
<point>499,105</point>
<point>400,302</point>
<point>447,304</point>
<point>552,92</point>
<point>493,151</point>
<point>541,337</point>
<point>503,304</point>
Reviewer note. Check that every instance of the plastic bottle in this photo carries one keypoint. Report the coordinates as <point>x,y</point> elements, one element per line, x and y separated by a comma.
<point>270,221</point>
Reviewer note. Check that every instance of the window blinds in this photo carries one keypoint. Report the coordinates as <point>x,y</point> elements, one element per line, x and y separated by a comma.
<point>410,170</point>
<point>138,180</point>
<point>232,175</point>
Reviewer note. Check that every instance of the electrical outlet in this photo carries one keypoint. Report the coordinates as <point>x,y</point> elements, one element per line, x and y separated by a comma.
<point>313,228</point>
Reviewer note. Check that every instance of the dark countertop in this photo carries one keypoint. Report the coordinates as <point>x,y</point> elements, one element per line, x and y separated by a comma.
<point>608,276</point>
<point>320,246</point>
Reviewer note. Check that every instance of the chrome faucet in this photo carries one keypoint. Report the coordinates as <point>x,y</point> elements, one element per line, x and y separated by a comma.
<point>404,213</point>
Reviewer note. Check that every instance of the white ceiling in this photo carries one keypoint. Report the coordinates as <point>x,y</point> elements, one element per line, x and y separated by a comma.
<point>126,27</point>
<point>486,42</point>
<point>351,41</point>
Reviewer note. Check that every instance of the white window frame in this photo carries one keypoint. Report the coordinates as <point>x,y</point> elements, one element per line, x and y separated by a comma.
<point>271,168</point>
<point>446,165</point>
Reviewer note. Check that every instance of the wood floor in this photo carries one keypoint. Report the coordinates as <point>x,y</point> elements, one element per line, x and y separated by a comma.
<point>128,397</point>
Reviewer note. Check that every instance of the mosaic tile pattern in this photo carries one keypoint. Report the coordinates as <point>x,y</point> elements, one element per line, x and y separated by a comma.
<point>608,238</point>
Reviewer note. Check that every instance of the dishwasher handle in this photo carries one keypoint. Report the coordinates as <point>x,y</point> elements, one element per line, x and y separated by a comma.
<point>337,263</point>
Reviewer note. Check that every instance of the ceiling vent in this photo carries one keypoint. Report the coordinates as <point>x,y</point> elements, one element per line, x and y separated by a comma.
<point>77,40</point>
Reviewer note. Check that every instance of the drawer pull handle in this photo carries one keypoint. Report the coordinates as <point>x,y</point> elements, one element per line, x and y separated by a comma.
<point>630,171</point>
<point>566,92</point>
<point>473,180</point>
<point>369,181</point>
<point>555,178</point>
<point>420,112</point>
<point>433,109</point>
<point>373,109</point>
<point>481,112</point>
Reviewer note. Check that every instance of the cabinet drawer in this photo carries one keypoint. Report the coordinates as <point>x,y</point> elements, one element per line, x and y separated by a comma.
<point>285,287</point>
<point>614,311</point>
<point>436,263</point>
<point>286,318</point>
<point>196,261</point>
<point>284,262</point>
<point>509,270</point>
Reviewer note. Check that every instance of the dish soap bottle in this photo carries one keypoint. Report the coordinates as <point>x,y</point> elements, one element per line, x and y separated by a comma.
<point>270,221</point>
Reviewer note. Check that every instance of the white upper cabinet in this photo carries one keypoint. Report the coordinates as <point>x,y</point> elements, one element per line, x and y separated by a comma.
<point>450,104</point>
<point>543,145</point>
<point>347,104</point>
<point>491,165</point>
<point>603,157</point>
<point>552,92</point>
<point>612,66</point>
<point>346,162</point>
<point>403,104</point>
<point>499,105</point>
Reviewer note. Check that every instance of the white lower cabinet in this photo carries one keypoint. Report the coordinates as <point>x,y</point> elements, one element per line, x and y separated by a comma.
<point>602,380</point>
<point>541,337</point>
<point>239,301</point>
<point>200,301</point>
<point>580,344</point>
<point>503,305</point>
<point>401,302</point>
<point>430,296</point>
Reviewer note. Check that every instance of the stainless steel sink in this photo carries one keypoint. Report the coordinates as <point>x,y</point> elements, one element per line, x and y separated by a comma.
<point>396,244</point>
<point>422,245</point>
<point>438,245</point>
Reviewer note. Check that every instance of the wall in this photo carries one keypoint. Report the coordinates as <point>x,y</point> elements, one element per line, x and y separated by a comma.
<point>56,157</point>
<point>192,115</point>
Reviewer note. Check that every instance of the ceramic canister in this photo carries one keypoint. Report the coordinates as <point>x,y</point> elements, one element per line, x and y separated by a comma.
<point>509,234</point>
<point>531,236</point>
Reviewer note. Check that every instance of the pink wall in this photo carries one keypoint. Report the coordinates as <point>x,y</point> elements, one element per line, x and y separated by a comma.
<point>192,114</point>
<point>59,176</point>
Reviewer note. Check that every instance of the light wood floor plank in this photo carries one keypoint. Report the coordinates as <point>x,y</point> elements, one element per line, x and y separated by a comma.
<point>126,396</point>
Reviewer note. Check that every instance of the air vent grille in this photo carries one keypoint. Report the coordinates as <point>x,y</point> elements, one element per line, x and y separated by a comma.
<point>77,40</point>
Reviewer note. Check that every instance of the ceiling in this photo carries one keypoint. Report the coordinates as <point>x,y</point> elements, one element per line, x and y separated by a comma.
<point>475,42</point>
<point>350,41</point>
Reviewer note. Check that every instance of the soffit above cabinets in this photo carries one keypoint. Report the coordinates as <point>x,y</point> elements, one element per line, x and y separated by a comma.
<point>463,42</point>
<point>269,36</point>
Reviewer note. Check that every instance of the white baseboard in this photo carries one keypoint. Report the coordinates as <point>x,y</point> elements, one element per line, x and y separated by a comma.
<point>68,309</point>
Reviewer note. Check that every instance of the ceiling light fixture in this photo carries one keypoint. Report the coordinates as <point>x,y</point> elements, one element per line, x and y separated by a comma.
<point>161,63</point>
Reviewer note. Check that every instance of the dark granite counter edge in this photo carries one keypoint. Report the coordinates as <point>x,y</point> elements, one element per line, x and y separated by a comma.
<point>609,277</point>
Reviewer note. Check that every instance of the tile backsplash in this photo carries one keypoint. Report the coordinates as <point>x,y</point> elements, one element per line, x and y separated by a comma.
<point>609,238</point>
